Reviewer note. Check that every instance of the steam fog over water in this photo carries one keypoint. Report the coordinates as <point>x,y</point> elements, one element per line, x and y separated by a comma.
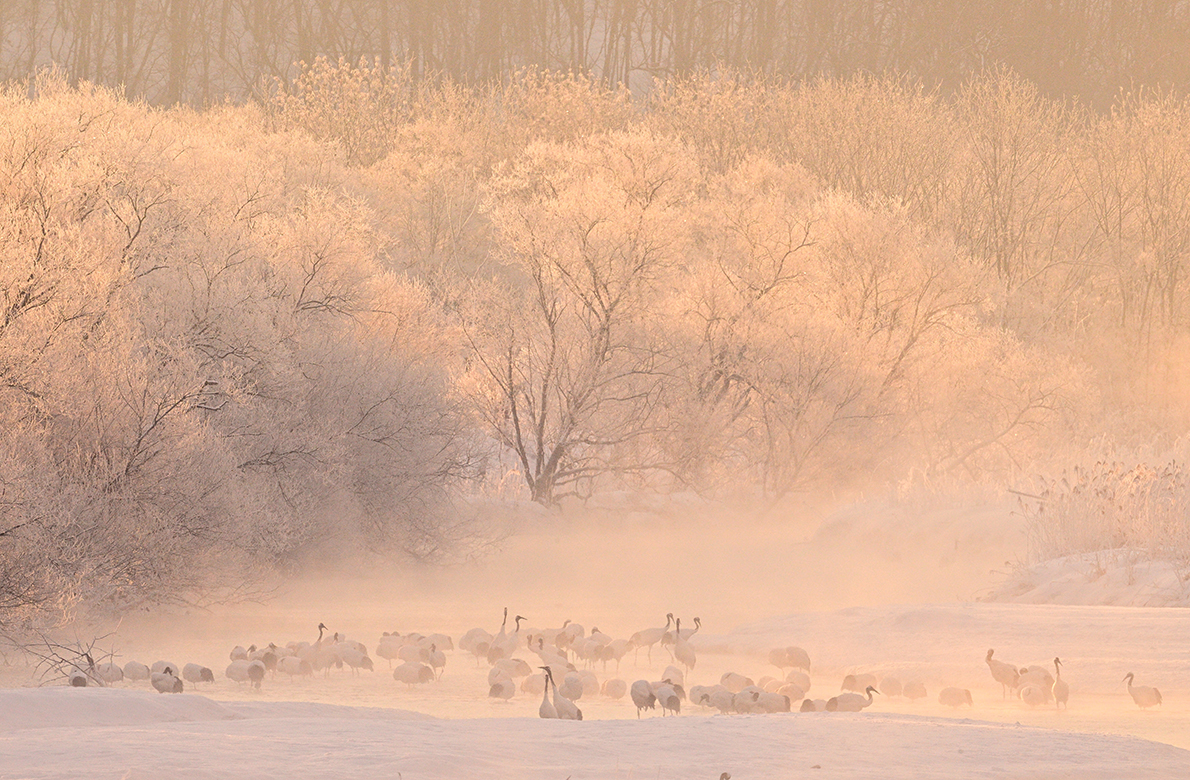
<point>842,589</point>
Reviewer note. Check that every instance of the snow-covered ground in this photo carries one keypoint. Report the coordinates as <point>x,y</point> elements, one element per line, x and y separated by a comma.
<point>130,735</point>
<point>129,732</point>
<point>867,591</point>
<point>1126,578</point>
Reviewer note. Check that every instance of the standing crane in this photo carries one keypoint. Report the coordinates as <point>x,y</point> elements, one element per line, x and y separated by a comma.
<point>547,709</point>
<point>683,650</point>
<point>1061,690</point>
<point>1005,674</point>
<point>567,710</point>
<point>649,637</point>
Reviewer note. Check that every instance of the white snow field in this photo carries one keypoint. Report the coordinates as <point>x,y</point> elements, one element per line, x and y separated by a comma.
<point>867,591</point>
<point>130,735</point>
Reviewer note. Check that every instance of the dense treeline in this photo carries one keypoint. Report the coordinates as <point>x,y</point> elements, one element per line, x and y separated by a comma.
<point>197,51</point>
<point>203,366</point>
<point>246,336</point>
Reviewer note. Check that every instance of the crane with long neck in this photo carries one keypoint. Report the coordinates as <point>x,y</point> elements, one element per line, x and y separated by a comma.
<point>547,709</point>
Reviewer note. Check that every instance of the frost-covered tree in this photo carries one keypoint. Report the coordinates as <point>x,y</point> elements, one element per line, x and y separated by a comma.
<point>565,368</point>
<point>203,361</point>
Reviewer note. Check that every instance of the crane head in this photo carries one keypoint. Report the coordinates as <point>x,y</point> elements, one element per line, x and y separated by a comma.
<point>870,689</point>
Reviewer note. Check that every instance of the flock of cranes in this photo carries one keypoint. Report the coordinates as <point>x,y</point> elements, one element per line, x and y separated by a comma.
<point>566,657</point>
<point>1036,687</point>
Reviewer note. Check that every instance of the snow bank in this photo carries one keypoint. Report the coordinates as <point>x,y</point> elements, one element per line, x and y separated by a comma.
<point>60,706</point>
<point>1123,578</point>
<point>57,707</point>
<point>321,744</point>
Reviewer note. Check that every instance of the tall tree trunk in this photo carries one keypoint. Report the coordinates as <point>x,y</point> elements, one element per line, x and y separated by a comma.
<point>179,27</point>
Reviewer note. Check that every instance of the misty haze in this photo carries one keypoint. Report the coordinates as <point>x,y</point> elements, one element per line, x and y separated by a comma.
<point>768,388</point>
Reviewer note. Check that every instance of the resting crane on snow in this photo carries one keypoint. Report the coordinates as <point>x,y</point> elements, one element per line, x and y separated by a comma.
<point>572,686</point>
<point>735,682</point>
<point>294,666</point>
<point>166,681</point>
<point>1005,674</point>
<point>135,670</point>
<point>1033,694</point>
<point>790,657</point>
<point>195,673</point>
<point>802,680</point>
<point>851,702</point>
<point>237,670</point>
<point>413,674</point>
<point>355,658</point>
<point>955,697</point>
<point>615,688</point>
<point>160,667</point>
<point>109,672</point>
<point>1061,690</point>
<point>667,696</point>
<point>643,696</point>
<point>798,658</point>
<point>256,670</point>
<point>477,641</point>
<point>1145,696</point>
